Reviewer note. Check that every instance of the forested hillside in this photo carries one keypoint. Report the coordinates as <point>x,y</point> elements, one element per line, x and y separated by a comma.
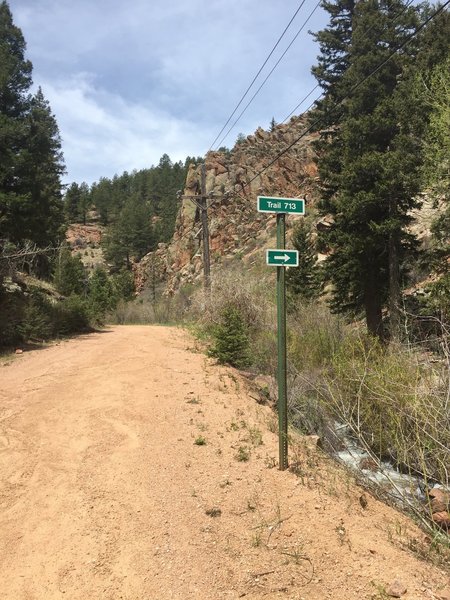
<point>45,287</point>
<point>371,153</point>
<point>138,209</point>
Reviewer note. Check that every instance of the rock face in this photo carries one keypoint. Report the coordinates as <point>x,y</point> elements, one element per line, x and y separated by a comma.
<point>233,180</point>
<point>84,241</point>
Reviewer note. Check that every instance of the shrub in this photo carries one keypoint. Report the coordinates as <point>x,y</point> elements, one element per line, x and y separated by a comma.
<point>36,322</point>
<point>314,335</point>
<point>123,283</point>
<point>11,314</point>
<point>249,295</point>
<point>231,343</point>
<point>71,316</point>
<point>395,406</point>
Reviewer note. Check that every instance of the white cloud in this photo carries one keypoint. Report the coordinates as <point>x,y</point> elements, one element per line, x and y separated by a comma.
<point>129,81</point>
<point>103,134</point>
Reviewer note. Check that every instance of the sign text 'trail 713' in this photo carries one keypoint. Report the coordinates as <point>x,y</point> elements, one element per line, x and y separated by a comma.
<point>294,206</point>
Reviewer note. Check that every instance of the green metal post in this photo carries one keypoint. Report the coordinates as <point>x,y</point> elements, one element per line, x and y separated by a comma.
<point>281,322</point>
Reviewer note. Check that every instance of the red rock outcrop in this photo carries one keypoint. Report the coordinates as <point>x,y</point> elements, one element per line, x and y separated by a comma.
<point>233,180</point>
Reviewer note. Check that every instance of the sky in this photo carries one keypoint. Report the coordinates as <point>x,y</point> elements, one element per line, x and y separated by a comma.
<point>130,80</point>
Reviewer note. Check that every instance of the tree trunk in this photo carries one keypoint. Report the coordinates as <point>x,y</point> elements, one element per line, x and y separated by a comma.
<point>372,306</point>
<point>394,277</point>
<point>394,289</point>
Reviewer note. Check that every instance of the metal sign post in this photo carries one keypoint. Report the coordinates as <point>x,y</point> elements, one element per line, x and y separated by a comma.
<point>281,326</point>
<point>281,258</point>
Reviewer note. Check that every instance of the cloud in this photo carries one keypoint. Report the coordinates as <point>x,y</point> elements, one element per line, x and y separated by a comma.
<point>129,81</point>
<point>102,134</point>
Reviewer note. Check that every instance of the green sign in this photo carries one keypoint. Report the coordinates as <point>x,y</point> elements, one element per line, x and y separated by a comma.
<point>295,206</point>
<point>282,258</point>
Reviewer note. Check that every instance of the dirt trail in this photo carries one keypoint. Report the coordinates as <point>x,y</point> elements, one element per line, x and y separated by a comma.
<point>105,494</point>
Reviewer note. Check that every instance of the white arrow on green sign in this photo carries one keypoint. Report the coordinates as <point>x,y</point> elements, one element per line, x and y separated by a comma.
<point>295,206</point>
<point>282,258</point>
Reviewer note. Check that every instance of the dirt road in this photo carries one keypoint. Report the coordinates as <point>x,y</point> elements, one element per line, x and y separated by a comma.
<point>132,467</point>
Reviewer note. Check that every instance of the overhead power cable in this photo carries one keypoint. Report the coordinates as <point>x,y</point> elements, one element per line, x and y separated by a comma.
<point>271,71</point>
<point>353,89</point>
<point>258,73</point>
<point>341,60</point>
<point>404,8</point>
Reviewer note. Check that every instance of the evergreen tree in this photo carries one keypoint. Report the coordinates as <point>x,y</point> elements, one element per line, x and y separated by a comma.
<point>101,294</point>
<point>72,199</point>
<point>123,283</point>
<point>41,217</point>
<point>368,162</point>
<point>132,235</point>
<point>30,148</point>
<point>85,202</point>
<point>101,193</point>
<point>70,275</point>
<point>15,82</point>
<point>303,281</point>
<point>231,342</point>
<point>436,169</point>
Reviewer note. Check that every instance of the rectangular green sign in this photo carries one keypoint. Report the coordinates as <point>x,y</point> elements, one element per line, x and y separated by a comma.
<point>282,258</point>
<point>294,206</point>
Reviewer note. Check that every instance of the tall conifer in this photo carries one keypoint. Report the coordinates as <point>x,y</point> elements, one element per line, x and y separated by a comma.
<point>31,162</point>
<point>368,157</point>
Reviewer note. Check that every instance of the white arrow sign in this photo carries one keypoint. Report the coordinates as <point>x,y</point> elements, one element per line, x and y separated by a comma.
<point>283,257</point>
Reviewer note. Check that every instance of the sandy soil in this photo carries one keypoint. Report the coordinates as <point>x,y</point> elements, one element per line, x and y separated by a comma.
<point>107,492</point>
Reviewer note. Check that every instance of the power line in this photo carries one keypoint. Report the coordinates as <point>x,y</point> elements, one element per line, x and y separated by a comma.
<point>337,104</point>
<point>404,8</point>
<point>257,74</point>
<point>353,89</point>
<point>271,71</point>
<point>342,59</point>
<point>301,102</point>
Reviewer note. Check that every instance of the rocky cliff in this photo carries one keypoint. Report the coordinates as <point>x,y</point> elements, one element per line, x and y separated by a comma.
<point>233,181</point>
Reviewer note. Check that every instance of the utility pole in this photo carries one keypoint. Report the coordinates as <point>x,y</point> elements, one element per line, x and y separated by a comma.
<point>201,202</point>
<point>205,229</point>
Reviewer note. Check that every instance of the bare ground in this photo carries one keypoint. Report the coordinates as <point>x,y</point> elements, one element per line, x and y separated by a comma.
<point>107,492</point>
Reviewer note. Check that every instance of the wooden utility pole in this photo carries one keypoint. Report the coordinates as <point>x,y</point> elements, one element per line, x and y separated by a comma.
<point>201,202</point>
<point>205,229</point>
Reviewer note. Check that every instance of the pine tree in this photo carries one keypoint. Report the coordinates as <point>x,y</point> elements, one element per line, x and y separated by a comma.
<point>303,281</point>
<point>70,276</point>
<point>41,217</point>
<point>231,342</point>
<point>436,169</point>
<point>72,200</point>
<point>15,83</point>
<point>85,202</point>
<point>132,235</point>
<point>101,294</point>
<point>30,148</point>
<point>369,161</point>
<point>101,193</point>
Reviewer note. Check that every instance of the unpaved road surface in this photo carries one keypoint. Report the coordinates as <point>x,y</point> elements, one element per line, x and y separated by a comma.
<point>124,475</point>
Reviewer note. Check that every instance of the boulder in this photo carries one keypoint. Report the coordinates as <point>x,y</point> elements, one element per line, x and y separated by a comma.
<point>442,519</point>
<point>396,589</point>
